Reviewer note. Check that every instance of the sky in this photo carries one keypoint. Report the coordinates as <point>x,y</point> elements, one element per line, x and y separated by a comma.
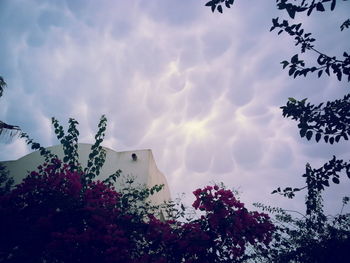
<point>201,90</point>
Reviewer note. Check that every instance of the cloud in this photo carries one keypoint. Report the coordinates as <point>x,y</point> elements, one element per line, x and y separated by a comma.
<point>201,90</point>
<point>248,150</point>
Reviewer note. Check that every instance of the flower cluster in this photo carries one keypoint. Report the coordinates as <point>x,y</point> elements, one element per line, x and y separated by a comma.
<point>229,223</point>
<point>54,215</point>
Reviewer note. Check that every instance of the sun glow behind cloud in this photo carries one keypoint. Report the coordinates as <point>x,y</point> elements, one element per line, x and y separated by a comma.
<point>196,129</point>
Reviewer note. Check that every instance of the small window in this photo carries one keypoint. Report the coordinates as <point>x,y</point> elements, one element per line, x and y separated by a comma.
<point>134,157</point>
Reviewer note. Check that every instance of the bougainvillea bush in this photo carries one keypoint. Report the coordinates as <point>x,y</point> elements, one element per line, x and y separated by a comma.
<point>53,217</point>
<point>62,213</point>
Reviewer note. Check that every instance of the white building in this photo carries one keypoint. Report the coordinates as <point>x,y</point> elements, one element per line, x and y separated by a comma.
<point>139,165</point>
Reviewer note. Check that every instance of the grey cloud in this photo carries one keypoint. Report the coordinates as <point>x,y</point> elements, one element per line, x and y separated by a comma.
<point>176,82</point>
<point>325,150</point>
<point>198,156</point>
<point>248,151</point>
<point>83,59</point>
<point>280,155</point>
<point>223,160</point>
<point>51,18</point>
<point>215,43</point>
<point>121,29</point>
<point>240,95</point>
<point>174,13</point>
<point>190,55</point>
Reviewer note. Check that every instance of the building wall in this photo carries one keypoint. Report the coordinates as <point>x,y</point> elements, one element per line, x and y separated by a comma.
<point>144,169</point>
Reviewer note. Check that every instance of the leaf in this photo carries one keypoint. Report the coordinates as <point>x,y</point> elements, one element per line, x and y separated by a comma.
<point>285,63</point>
<point>303,101</point>
<point>320,73</point>
<point>210,3</point>
<point>296,73</point>
<point>183,207</point>
<point>291,12</point>
<point>337,138</point>
<point>326,183</point>
<point>294,59</point>
<point>292,100</point>
<point>327,71</point>
<point>333,5</point>
<point>302,132</point>
<point>310,10</point>
<point>318,137</point>
<point>335,180</point>
<point>339,75</point>
<point>220,8</point>
<point>308,135</point>
<point>331,140</point>
<point>319,7</point>
<point>291,71</point>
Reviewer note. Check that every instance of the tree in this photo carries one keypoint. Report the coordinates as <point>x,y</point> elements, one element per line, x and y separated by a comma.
<point>314,237</point>
<point>330,120</point>
<point>325,63</point>
<point>4,127</point>
<point>61,212</point>
<point>309,238</point>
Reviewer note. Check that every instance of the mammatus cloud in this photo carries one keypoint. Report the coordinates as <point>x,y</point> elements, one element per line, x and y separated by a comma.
<point>201,90</point>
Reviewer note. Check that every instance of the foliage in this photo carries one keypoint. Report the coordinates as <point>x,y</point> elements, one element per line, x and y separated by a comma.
<point>309,238</point>
<point>13,130</point>
<point>216,4</point>
<point>6,182</point>
<point>2,85</point>
<point>330,121</point>
<point>297,66</point>
<point>62,213</point>
<point>346,24</point>
<point>313,237</point>
<point>325,62</point>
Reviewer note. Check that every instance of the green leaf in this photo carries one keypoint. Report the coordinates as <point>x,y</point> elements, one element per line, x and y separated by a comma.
<point>303,101</point>
<point>292,100</point>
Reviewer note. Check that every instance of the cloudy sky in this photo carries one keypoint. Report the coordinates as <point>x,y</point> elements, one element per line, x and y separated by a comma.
<point>201,90</point>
